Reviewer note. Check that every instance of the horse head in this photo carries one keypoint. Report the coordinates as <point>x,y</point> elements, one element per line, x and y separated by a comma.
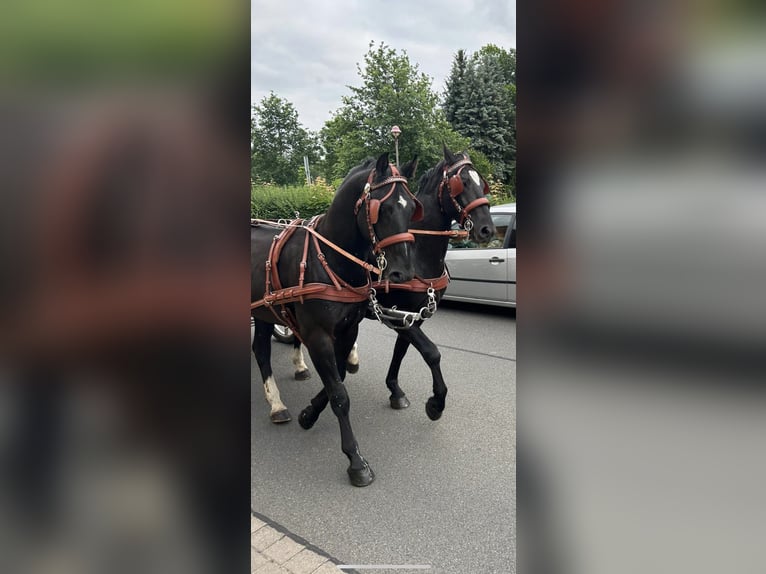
<point>461,195</point>
<point>384,213</point>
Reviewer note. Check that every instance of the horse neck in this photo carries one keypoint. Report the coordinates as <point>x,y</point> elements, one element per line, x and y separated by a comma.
<point>339,226</point>
<point>430,250</point>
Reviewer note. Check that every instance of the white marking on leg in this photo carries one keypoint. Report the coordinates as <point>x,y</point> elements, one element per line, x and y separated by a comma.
<point>353,356</point>
<point>298,361</point>
<point>272,395</point>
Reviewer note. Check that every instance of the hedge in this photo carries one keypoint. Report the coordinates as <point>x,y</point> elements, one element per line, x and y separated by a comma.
<point>281,202</point>
<point>275,202</point>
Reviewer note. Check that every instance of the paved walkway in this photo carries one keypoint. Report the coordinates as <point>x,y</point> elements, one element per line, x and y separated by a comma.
<point>274,550</point>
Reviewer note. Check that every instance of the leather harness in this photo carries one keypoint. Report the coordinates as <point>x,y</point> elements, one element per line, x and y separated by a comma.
<point>339,290</point>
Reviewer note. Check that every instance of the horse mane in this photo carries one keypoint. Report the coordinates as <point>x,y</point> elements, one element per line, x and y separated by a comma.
<point>366,165</point>
<point>425,179</point>
<point>355,171</point>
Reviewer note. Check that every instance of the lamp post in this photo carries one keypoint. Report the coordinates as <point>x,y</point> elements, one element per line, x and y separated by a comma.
<point>395,131</point>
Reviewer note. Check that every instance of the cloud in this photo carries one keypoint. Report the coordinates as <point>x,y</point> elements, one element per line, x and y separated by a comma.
<point>307,51</point>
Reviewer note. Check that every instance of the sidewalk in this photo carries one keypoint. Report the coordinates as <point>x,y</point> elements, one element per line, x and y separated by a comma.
<point>274,550</point>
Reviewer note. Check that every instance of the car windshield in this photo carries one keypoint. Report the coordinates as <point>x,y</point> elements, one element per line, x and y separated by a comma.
<point>501,221</point>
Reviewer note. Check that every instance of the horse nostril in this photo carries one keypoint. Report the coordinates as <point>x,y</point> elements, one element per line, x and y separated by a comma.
<point>485,232</point>
<point>396,277</point>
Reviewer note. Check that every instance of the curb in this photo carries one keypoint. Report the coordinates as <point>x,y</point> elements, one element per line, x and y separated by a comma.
<point>267,565</point>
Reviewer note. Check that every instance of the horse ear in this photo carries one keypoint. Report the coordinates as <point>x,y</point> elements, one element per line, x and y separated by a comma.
<point>382,166</point>
<point>449,157</point>
<point>408,169</point>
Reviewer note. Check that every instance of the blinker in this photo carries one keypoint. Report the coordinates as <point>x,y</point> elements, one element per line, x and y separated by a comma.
<point>374,210</point>
<point>418,215</point>
<point>455,185</point>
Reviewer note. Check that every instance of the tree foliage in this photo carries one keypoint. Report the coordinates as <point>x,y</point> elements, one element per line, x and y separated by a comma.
<point>480,103</point>
<point>279,142</point>
<point>392,92</point>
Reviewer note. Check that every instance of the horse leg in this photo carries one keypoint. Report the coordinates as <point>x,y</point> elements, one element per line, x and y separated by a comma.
<point>311,413</point>
<point>431,355</point>
<point>352,361</point>
<point>301,370</point>
<point>324,356</point>
<point>397,399</point>
<point>262,350</point>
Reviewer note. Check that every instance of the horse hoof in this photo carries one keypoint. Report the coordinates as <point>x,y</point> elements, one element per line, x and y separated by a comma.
<point>306,420</point>
<point>399,403</point>
<point>361,476</point>
<point>302,375</point>
<point>281,417</point>
<point>432,411</point>
<point>352,368</point>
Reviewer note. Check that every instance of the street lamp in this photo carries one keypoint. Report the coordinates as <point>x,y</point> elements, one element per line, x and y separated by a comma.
<point>395,131</point>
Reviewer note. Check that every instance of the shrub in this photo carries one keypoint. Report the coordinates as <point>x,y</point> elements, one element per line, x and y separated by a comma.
<point>281,202</point>
<point>499,193</point>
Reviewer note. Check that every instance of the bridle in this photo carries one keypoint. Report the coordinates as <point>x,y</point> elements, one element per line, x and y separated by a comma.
<point>372,211</point>
<point>452,182</point>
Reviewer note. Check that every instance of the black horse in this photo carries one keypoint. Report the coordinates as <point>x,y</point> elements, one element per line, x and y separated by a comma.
<point>452,190</point>
<point>369,217</point>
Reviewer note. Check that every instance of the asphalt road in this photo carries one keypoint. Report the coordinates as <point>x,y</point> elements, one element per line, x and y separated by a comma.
<point>444,492</point>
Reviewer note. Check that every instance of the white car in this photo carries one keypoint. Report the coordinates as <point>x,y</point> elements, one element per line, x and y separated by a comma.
<point>485,273</point>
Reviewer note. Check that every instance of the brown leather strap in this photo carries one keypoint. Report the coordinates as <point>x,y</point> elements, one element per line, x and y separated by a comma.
<point>457,165</point>
<point>391,239</point>
<point>417,284</point>
<point>323,291</point>
<point>339,291</point>
<point>302,264</point>
<point>451,233</point>
<point>346,254</point>
<point>276,250</point>
<point>323,260</point>
<point>471,206</point>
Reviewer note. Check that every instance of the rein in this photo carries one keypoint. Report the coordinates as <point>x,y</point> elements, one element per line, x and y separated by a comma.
<point>282,223</point>
<point>364,264</point>
<point>451,233</point>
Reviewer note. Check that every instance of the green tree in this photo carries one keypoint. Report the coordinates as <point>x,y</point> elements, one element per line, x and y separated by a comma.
<point>279,142</point>
<point>455,94</point>
<point>480,103</point>
<point>392,92</point>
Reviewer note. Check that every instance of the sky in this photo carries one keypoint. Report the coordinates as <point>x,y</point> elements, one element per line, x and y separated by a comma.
<point>307,51</point>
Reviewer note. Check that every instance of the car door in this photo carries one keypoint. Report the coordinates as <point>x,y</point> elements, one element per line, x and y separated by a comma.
<point>511,259</point>
<point>480,271</point>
